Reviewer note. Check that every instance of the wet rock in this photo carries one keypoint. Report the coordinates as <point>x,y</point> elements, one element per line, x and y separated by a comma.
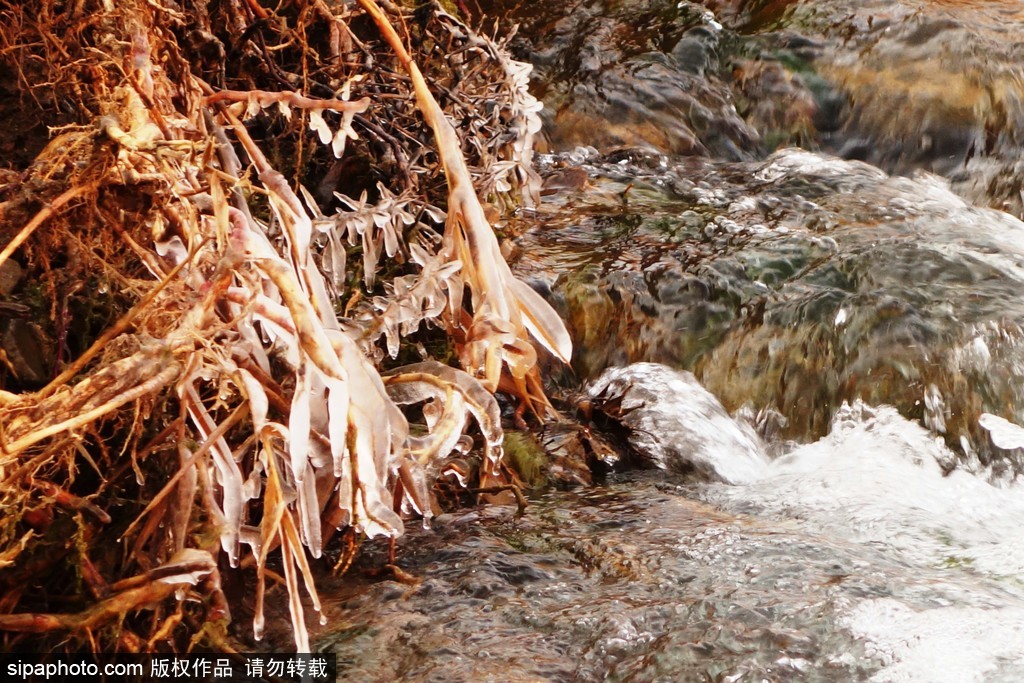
<point>939,87</point>
<point>675,424</point>
<point>779,103</point>
<point>575,452</point>
<point>909,85</point>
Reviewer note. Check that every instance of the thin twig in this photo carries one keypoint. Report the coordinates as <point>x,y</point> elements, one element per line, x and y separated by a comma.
<point>152,385</point>
<point>113,332</point>
<point>40,218</point>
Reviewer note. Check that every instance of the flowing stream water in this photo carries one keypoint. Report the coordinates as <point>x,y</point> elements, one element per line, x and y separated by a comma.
<point>852,558</point>
<point>820,501</point>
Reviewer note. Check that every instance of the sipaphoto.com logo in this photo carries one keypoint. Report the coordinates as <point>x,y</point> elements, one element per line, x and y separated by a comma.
<point>190,668</point>
<point>63,669</point>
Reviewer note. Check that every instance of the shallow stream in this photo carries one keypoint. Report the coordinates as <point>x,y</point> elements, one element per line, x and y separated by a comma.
<point>854,313</point>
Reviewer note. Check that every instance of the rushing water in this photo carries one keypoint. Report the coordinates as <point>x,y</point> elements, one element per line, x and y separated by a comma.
<point>851,558</point>
<point>952,610</point>
<point>823,500</point>
<point>794,284</point>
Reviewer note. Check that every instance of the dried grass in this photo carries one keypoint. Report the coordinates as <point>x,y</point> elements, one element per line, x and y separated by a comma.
<point>232,403</point>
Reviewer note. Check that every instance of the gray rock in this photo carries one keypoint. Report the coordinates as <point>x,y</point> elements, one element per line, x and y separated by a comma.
<point>678,425</point>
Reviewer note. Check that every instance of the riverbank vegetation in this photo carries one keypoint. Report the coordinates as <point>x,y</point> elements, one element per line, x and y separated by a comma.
<point>253,306</point>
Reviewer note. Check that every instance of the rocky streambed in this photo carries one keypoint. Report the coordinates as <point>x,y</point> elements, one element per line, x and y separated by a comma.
<point>798,202</point>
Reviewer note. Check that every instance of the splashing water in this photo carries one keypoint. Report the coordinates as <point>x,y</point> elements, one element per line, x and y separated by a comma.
<point>851,558</point>
<point>956,607</point>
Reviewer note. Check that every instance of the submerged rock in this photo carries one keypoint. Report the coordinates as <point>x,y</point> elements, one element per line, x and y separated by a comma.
<point>675,424</point>
<point>925,84</point>
<point>633,581</point>
<point>795,284</point>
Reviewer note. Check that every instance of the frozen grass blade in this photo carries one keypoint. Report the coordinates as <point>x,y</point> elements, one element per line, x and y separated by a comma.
<point>497,333</point>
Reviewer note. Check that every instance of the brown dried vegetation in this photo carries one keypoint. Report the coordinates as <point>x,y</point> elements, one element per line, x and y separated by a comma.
<point>187,239</point>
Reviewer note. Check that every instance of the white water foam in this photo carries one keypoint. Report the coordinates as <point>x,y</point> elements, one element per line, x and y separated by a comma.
<point>954,544</point>
<point>941,645</point>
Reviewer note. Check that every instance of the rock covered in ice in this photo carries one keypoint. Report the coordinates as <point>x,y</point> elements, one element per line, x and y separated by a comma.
<point>676,424</point>
<point>1004,433</point>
